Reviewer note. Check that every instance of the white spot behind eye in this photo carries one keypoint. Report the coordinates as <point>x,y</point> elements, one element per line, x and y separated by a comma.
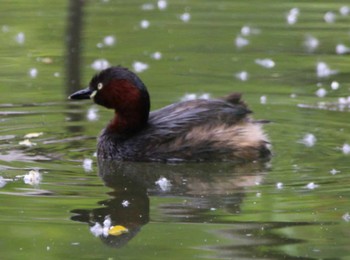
<point>99,86</point>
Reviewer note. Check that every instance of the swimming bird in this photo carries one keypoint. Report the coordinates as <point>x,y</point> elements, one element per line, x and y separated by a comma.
<point>196,130</point>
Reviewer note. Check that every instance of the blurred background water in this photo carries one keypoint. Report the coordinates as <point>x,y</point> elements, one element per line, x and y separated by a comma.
<point>290,59</point>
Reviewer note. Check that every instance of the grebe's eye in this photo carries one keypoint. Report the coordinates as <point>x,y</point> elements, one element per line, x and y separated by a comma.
<point>99,87</point>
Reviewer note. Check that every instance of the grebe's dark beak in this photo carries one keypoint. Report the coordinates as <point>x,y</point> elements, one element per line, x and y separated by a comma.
<point>81,94</point>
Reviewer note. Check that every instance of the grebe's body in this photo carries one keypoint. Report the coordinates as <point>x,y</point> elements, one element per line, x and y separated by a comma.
<point>195,130</point>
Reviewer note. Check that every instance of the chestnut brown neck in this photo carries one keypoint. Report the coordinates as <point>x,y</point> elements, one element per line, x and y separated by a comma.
<point>132,107</point>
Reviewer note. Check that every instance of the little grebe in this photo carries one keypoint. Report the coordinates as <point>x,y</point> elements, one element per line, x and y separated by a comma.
<point>195,130</point>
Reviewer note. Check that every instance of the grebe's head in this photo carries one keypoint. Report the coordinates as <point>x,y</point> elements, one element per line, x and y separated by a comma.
<point>116,88</point>
<point>119,89</point>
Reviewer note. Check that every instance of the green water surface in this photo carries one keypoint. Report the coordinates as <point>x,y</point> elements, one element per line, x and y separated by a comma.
<point>294,207</point>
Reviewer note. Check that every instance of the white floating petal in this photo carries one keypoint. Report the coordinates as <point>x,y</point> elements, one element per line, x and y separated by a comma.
<point>263,100</point>
<point>87,165</point>
<point>3,182</point>
<point>185,17</point>
<point>342,49</point>
<point>329,17</point>
<point>189,96</point>
<point>242,75</point>
<point>193,96</point>
<point>204,96</point>
<point>335,85</point>
<point>311,186</point>
<point>100,64</point>
<point>334,171</point>
<point>33,135</point>
<point>32,178</point>
<point>109,40</point>
<point>323,70</point>
<point>346,149</point>
<point>344,10</point>
<point>279,185</point>
<point>241,42</point>
<point>266,63</point>
<point>346,217</point>
<point>164,184</point>
<point>92,114</point>
<point>292,16</point>
<point>309,140</point>
<point>107,222</point>
<point>125,203</point>
<point>342,101</point>
<point>321,92</point>
<point>157,55</point>
<point>139,66</point>
<point>144,24</point>
<point>311,43</point>
<point>97,229</point>
<point>33,72</point>
<point>27,143</point>
<point>162,4</point>
<point>20,38</point>
<point>247,31</point>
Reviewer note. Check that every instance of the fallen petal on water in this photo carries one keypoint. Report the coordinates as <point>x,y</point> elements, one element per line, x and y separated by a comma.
<point>279,185</point>
<point>344,10</point>
<point>125,203</point>
<point>144,24</point>
<point>346,217</point>
<point>33,135</point>
<point>117,230</point>
<point>32,178</point>
<point>27,143</point>
<point>100,64</point>
<point>243,75</point>
<point>329,17</point>
<point>185,17</point>
<point>87,165</point>
<point>346,148</point>
<point>292,16</point>
<point>162,4</point>
<point>309,140</point>
<point>139,66</point>
<point>321,92</point>
<point>334,171</point>
<point>311,186</point>
<point>323,70</point>
<point>241,41</point>
<point>109,40</point>
<point>164,184</point>
<point>311,43</point>
<point>266,63</point>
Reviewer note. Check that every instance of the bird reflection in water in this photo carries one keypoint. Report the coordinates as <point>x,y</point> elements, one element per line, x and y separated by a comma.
<point>203,187</point>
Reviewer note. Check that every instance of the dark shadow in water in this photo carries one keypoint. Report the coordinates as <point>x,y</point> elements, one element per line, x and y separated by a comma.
<point>73,43</point>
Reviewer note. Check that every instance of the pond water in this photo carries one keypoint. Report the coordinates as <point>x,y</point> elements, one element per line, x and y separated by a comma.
<point>289,59</point>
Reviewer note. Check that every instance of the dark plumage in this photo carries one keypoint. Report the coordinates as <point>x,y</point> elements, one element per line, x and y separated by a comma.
<point>196,130</point>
